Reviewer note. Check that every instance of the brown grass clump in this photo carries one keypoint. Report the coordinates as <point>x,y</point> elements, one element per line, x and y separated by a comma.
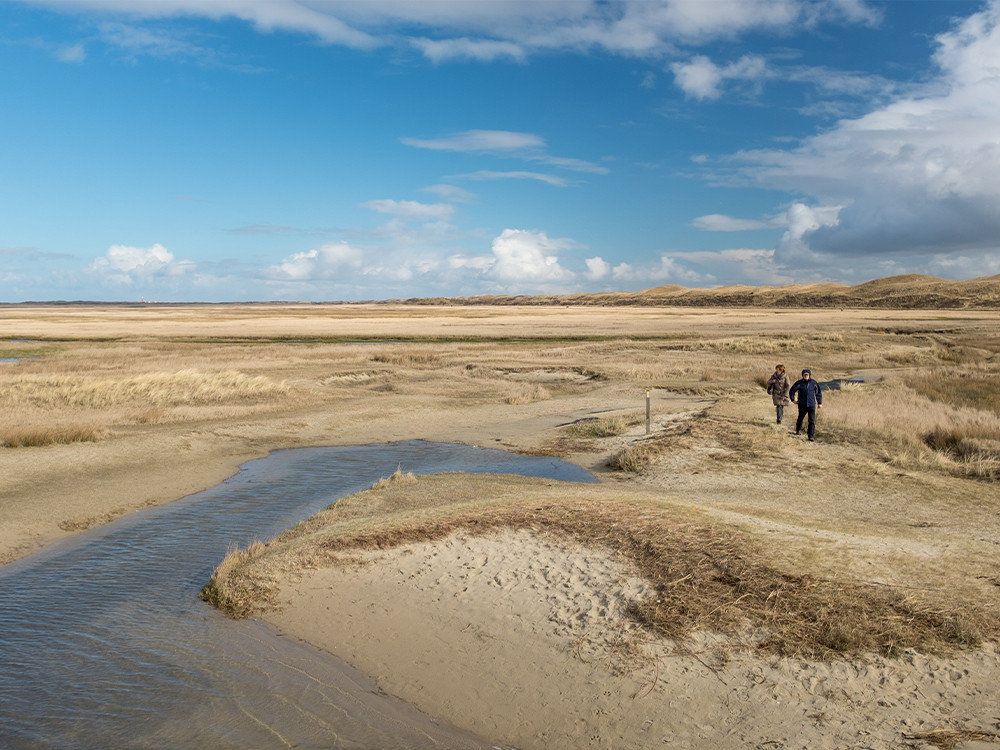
<point>526,395</point>
<point>706,576</point>
<point>33,437</point>
<point>407,358</point>
<point>222,596</point>
<point>635,457</point>
<point>397,477</point>
<point>600,427</point>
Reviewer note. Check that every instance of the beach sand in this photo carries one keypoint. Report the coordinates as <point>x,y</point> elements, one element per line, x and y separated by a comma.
<point>525,641</point>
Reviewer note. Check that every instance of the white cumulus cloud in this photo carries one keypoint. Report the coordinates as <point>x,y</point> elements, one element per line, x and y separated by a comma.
<point>703,79</point>
<point>526,256</point>
<point>124,263</point>
<point>330,261</point>
<point>597,268</point>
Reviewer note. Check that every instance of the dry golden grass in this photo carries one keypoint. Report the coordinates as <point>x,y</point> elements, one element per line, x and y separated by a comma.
<point>526,394</point>
<point>908,429</point>
<point>155,388</point>
<point>599,427</point>
<point>635,457</point>
<point>970,386</point>
<point>27,437</point>
<point>397,477</point>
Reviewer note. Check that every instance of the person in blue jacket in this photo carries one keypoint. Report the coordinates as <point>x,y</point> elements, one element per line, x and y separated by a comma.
<point>809,396</point>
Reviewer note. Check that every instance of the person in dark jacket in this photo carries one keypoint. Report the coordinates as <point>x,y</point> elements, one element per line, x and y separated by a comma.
<point>809,396</point>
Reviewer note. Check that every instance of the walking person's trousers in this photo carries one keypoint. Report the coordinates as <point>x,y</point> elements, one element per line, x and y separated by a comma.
<point>805,411</point>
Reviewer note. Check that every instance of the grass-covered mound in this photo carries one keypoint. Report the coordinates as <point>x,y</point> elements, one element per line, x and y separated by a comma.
<point>706,575</point>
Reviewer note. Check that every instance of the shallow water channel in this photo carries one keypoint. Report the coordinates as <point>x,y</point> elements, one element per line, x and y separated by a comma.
<point>104,642</point>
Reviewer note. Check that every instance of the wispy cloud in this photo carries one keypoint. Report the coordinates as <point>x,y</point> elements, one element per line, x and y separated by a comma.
<point>506,144</point>
<point>452,193</point>
<point>411,209</point>
<point>264,229</point>
<point>512,30</point>
<point>722,223</point>
<point>486,174</point>
<point>481,141</point>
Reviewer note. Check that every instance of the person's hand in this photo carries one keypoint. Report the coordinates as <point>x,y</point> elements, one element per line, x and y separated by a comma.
<point>819,406</point>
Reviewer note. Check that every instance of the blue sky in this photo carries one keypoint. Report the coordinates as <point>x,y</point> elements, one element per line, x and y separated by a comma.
<point>223,150</point>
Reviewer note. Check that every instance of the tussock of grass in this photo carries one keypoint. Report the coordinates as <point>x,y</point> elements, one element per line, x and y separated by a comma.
<point>706,576</point>
<point>600,427</point>
<point>635,457</point>
<point>638,456</point>
<point>397,477</point>
<point>527,395</point>
<point>235,560</point>
<point>33,437</point>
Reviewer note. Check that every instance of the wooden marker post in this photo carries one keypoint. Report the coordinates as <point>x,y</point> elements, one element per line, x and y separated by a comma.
<point>647,412</point>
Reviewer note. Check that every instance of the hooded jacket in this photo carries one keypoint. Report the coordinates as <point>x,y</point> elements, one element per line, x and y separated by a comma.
<point>807,392</point>
<point>778,386</point>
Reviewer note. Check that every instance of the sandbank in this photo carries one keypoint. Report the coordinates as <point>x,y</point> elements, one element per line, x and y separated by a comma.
<point>525,641</point>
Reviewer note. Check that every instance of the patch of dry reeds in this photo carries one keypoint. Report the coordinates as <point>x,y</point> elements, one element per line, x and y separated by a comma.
<point>407,358</point>
<point>777,344</point>
<point>526,394</point>
<point>971,387</point>
<point>29,437</point>
<point>705,576</point>
<point>236,559</point>
<point>635,457</point>
<point>599,427</point>
<point>910,430</point>
<point>397,477</point>
<point>155,388</point>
